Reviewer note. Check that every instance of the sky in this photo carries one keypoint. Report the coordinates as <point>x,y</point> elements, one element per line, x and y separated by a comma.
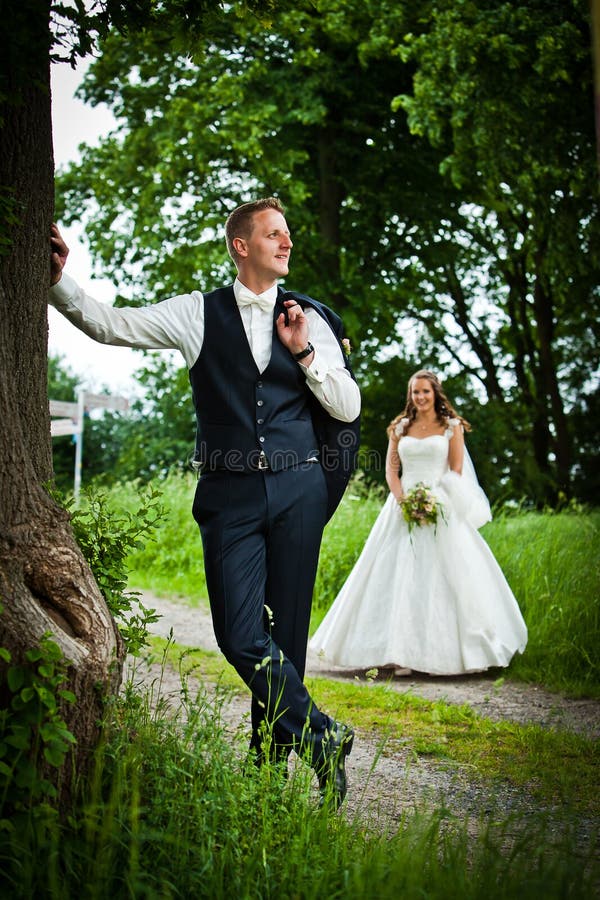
<point>96,365</point>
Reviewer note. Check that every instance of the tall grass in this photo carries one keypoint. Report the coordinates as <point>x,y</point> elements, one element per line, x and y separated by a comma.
<point>551,560</point>
<point>343,540</point>
<point>174,811</point>
<point>173,564</point>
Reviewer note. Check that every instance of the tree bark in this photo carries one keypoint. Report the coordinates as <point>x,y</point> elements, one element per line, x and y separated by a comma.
<point>544,315</point>
<point>46,584</point>
<point>526,368</point>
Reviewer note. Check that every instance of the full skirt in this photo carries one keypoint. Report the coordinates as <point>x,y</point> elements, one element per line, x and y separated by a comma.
<point>433,599</point>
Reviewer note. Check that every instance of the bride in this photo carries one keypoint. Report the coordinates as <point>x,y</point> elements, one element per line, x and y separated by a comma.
<point>426,593</point>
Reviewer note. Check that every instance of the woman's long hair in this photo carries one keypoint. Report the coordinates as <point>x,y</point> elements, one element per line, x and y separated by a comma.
<point>443,408</point>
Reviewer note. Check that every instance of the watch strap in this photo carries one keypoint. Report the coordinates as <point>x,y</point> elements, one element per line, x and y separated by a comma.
<point>304,353</point>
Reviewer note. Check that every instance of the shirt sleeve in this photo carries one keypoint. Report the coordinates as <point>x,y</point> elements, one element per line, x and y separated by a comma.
<point>327,376</point>
<point>173,324</point>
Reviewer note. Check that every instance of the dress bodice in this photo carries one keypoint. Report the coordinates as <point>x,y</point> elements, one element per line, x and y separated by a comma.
<point>423,459</point>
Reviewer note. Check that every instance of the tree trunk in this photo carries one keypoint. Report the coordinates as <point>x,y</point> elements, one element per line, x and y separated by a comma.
<point>544,315</point>
<point>526,369</point>
<point>45,583</point>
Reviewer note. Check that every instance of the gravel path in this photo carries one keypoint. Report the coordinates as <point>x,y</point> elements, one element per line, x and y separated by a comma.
<point>385,780</point>
<point>488,694</point>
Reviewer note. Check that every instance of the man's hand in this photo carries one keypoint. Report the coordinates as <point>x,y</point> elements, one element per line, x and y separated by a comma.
<point>294,335</point>
<point>58,254</point>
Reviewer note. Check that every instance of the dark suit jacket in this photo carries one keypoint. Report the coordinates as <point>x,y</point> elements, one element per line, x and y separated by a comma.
<point>338,441</point>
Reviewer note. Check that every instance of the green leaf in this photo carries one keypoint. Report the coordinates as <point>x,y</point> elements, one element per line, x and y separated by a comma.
<point>15,677</point>
<point>69,696</point>
<point>20,737</point>
<point>54,754</point>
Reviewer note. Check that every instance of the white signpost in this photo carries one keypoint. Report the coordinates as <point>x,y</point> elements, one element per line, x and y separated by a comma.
<point>72,419</point>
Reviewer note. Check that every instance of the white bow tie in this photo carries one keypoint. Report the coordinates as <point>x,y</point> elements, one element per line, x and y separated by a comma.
<point>245,297</point>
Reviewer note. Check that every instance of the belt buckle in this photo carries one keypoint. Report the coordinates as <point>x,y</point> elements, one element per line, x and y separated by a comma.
<point>262,462</point>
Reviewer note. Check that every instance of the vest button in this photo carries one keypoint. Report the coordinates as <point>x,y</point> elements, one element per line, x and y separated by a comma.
<point>260,402</point>
<point>259,384</point>
<point>259,421</point>
<point>262,440</point>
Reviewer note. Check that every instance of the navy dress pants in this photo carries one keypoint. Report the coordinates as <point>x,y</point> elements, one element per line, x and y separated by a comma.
<point>261,534</point>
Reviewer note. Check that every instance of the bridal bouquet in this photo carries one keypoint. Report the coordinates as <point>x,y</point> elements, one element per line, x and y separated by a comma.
<point>421,507</point>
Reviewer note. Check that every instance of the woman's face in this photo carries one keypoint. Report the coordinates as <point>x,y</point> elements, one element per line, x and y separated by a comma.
<point>422,395</point>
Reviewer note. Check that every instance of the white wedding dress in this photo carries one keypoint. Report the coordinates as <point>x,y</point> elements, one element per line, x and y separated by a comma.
<point>433,600</point>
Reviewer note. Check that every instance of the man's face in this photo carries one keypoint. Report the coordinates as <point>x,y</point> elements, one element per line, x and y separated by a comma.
<point>266,252</point>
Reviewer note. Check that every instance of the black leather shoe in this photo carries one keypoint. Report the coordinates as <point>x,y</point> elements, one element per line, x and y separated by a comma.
<point>332,768</point>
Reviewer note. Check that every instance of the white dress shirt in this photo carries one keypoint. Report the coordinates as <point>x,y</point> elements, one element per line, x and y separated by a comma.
<point>178,323</point>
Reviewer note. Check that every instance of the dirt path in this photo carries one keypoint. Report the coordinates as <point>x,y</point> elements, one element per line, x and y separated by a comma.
<point>385,781</point>
<point>487,694</point>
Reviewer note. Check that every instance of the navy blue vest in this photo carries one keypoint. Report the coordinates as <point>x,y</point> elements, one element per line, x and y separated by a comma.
<point>241,411</point>
<point>236,406</point>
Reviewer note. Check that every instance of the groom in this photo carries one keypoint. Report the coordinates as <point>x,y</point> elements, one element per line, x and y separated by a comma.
<point>270,387</point>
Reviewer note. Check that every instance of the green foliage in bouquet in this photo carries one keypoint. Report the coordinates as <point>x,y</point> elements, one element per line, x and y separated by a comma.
<point>420,506</point>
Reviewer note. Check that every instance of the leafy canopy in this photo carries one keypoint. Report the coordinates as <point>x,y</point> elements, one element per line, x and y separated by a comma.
<point>438,168</point>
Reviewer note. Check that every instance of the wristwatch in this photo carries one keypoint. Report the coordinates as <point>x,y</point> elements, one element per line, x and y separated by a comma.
<point>304,353</point>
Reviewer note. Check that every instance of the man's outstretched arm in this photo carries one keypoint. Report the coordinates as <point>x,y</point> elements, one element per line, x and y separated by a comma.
<point>176,323</point>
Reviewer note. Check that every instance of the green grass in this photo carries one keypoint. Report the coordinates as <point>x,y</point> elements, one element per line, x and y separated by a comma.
<point>554,766</point>
<point>343,540</point>
<point>173,811</point>
<point>173,564</point>
<point>551,560</point>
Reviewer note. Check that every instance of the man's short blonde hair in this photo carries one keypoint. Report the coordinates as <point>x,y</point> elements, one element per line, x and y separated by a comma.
<point>240,222</point>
